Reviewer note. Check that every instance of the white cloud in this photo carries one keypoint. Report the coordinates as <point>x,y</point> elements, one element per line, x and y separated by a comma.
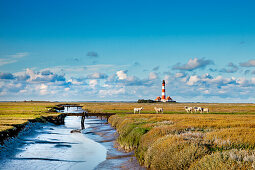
<point>43,89</point>
<point>97,76</point>
<point>178,75</point>
<point>111,92</point>
<point>93,83</point>
<point>192,80</point>
<point>48,85</point>
<point>250,63</point>
<point>231,68</point>
<point>193,64</point>
<point>122,75</point>
<point>19,55</point>
<point>153,76</point>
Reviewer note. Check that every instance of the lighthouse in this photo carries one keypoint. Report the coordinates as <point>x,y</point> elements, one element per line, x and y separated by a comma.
<point>163,91</point>
<point>163,97</point>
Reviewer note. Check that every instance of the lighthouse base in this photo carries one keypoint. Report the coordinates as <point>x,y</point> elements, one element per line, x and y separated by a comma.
<point>165,101</point>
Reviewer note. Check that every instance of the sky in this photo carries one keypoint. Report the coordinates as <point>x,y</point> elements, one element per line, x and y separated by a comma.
<point>116,50</point>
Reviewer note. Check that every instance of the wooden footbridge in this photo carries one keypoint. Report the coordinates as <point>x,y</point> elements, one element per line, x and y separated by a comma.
<point>81,112</point>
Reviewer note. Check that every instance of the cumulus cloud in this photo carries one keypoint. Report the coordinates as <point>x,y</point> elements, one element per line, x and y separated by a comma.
<point>31,83</point>
<point>97,76</point>
<point>250,63</point>
<point>121,85</point>
<point>193,64</point>
<point>192,80</point>
<point>44,76</point>
<point>179,75</point>
<point>111,92</point>
<point>207,88</point>
<point>6,76</point>
<point>46,72</point>
<point>93,83</point>
<point>232,68</point>
<point>43,89</point>
<point>77,81</point>
<point>153,76</point>
<point>121,78</point>
<point>122,74</point>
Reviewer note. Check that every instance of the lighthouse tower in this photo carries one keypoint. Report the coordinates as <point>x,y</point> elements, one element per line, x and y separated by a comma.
<point>163,98</point>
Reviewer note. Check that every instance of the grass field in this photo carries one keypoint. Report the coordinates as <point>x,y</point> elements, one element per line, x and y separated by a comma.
<point>12,113</point>
<point>189,141</point>
<point>222,139</point>
<point>221,108</point>
<point>19,112</point>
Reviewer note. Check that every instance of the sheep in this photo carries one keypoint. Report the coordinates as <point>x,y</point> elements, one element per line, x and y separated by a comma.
<point>206,110</point>
<point>195,109</point>
<point>138,110</point>
<point>188,109</point>
<point>200,109</point>
<point>158,110</point>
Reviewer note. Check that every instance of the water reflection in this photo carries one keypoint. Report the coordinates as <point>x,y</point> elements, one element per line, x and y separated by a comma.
<point>75,109</point>
<point>53,147</point>
<point>72,109</point>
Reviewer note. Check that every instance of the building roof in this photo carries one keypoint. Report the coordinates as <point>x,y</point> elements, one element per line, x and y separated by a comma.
<point>168,98</point>
<point>158,98</point>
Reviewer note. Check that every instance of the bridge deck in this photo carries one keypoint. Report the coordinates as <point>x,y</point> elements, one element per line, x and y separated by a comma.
<point>90,114</point>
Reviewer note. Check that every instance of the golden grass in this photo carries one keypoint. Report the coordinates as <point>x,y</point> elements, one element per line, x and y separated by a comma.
<point>179,141</point>
<point>230,159</point>
<point>107,107</point>
<point>13,113</point>
<point>175,140</point>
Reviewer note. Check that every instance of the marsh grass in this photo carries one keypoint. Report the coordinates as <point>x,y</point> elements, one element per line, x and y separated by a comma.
<point>230,159</point>
<point>187,141</point>
<point>169,108</point>
<point>222,139</point>
<point>15,113</point>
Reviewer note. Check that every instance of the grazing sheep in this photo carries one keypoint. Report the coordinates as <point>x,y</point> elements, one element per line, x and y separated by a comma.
<point>200,109</point>
<point>206,110</point>
<point>157,109</point>
<point>188,109</point>
<point>195,109</point>
<point>138,110</point>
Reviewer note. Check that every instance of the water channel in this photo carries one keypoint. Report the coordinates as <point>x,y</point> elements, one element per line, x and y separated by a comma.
<point>49,146</point>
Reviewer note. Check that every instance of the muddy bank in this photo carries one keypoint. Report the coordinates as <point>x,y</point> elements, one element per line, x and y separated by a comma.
<point>9,133</point>
<point>116,158</point>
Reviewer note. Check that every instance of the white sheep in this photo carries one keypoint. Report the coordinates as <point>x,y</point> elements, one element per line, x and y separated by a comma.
<point>200,109</point>
<point>195,109</point>
<point>157,109</point>
<point>206,110</point>
<point>138,110</point>
<point>188,109</point>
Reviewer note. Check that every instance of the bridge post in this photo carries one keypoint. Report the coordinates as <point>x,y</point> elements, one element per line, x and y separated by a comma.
<point>82,121</point>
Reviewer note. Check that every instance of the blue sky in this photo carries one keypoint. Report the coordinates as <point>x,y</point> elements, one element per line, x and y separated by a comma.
<point>122,50</point>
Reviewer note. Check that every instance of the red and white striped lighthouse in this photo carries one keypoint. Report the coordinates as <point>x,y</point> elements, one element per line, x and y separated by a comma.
<point>163,91</point>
